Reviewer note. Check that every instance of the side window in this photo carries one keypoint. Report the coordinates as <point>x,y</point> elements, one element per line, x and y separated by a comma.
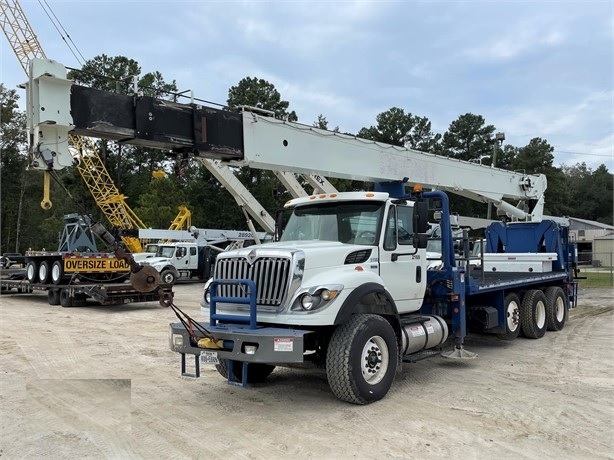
<point>390,235</point>
<point>405,223</point>
<point>192,251</point>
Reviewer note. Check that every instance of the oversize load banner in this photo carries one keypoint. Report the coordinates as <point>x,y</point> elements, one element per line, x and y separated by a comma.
<point>95,265</point>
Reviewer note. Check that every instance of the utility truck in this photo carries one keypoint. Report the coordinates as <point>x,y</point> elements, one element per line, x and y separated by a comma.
<point>189,254</point>
<point>346,285</point>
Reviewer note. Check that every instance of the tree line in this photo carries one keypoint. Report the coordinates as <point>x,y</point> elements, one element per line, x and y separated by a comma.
<point>576,191</point>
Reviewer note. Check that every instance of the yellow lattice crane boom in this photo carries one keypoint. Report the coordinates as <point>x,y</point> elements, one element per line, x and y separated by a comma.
<point>182,220</point>
<point>26,46</point>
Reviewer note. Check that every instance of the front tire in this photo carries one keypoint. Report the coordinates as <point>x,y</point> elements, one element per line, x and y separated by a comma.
<point>362,358</point>
<point>557,308</point>
<point>168,277</point>
<point>533,314</point>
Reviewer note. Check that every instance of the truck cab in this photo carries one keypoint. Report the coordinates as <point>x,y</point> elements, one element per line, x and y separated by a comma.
<point>343,243</point>
<point>176,260</point>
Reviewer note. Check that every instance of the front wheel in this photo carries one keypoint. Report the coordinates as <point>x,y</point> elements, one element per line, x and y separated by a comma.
<point>168,276</point>
<point>362,357</point>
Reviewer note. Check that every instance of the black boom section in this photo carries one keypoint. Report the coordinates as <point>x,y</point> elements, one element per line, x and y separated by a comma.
<point>157,123</point>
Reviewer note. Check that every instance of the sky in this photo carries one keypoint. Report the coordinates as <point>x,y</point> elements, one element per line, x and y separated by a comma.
<point>530,68</point>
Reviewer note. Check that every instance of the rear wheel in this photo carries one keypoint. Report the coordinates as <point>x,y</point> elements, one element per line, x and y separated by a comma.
<point>557,308</point>
<point>53,297</point>
<point>65,299</point>
<point>43,272</point>
<point>256,372</point>
<point>512,317</point>
<point>32,271</point>
<point>57,272</point>
<point>362,357</point>
<point>533,314</point>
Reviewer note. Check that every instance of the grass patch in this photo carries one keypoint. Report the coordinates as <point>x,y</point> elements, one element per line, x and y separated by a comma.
<point>596,279</point>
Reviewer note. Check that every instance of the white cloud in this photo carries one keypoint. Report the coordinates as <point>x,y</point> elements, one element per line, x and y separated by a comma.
<point>580,131</point>
<point>518,39</point>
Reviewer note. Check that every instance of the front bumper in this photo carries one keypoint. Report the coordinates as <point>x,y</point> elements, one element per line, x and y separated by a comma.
<point>268,345</point>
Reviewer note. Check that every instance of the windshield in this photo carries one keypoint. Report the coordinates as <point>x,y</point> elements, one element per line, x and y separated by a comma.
<point>346,222</point>
<point>151,248</point>
<point>165,251</point>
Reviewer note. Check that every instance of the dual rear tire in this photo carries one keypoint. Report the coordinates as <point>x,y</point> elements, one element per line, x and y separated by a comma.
<point>540,311</point>
<point>533,314</point>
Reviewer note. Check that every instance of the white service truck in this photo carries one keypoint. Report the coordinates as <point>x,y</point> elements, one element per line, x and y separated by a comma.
<point>185,260</point>
<point>346,285</point>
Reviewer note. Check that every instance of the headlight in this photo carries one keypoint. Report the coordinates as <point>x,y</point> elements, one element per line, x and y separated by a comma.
<point>315,298</point>
<point>306,301</point>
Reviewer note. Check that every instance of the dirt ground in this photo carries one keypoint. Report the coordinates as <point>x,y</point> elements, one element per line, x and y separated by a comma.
<point>98,382</point>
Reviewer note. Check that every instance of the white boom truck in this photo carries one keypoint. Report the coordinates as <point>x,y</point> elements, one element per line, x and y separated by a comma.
<point>346,286</point>
<point>185,260</point>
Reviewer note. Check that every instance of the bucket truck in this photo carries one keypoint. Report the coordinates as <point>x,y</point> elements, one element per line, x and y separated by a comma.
<point>346,285</point>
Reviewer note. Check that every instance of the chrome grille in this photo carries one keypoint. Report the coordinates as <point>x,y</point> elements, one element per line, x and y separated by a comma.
<point>271,275</point>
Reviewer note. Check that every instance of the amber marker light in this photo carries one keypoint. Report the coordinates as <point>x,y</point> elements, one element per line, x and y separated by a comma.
<point>358,268</point>
<point>370,195</point>
<point>418,188</point>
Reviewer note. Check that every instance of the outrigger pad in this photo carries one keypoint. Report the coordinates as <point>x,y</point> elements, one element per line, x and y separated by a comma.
<point>459,353</point>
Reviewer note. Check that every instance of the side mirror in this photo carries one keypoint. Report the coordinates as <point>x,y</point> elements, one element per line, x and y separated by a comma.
<point>421,240</point>
<point>421,222</point>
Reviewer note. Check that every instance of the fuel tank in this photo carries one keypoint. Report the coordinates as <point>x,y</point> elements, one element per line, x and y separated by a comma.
<point>421,332</point>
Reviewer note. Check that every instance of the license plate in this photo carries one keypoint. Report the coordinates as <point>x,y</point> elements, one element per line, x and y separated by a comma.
<point>209,357</point>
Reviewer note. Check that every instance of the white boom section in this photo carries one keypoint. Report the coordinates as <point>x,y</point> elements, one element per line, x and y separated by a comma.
<point>280,145</point>
<point>197,235</point>
<point>291,183</point>
<point>242,196</point>
<point>319,183</point>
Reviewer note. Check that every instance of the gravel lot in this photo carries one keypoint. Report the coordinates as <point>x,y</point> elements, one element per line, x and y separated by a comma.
<point>98,382</point>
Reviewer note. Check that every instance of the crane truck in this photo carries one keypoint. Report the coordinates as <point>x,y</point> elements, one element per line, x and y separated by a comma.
<point>346,285</point>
